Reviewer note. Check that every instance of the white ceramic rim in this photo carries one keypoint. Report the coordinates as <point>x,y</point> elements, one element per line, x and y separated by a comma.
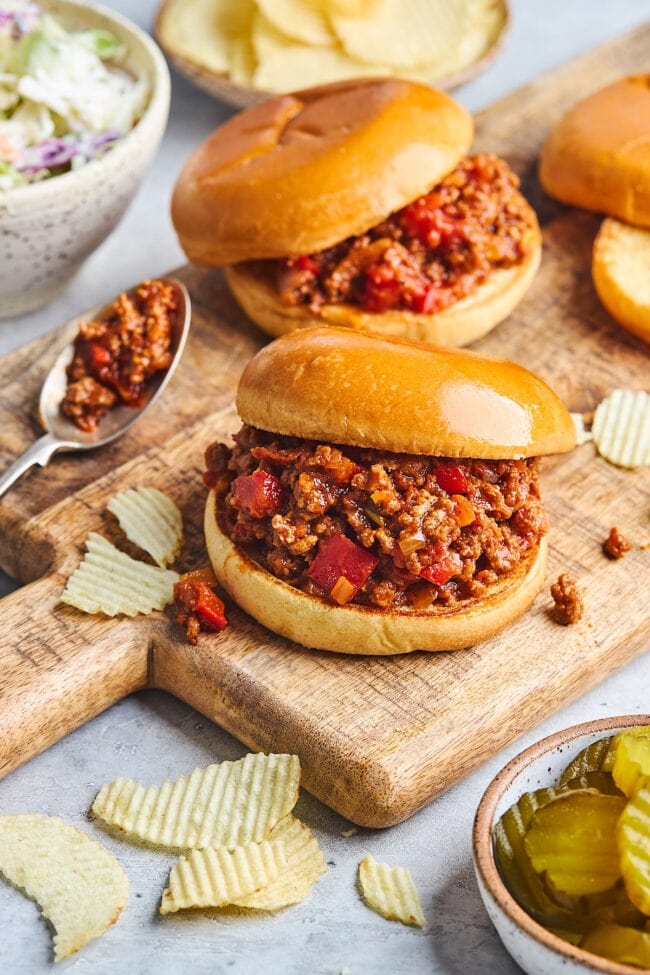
<point>39,194</point>
<point>484,853</point>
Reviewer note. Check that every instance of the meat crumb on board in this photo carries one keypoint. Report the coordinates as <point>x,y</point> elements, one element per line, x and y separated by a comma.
<point>616,544</point>
<point>568,606</point>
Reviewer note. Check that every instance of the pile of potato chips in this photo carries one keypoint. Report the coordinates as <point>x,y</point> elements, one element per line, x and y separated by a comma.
<point>109,581</point>
<point>233,821</point>
<point>280,45</point>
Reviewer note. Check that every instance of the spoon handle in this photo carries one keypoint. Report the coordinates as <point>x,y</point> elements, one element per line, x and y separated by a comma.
<point>38,453</point>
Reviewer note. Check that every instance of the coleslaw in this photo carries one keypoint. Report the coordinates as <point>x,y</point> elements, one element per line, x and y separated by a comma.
<point>64,99</point>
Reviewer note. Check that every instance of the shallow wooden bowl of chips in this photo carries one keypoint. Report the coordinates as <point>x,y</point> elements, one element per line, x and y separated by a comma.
<point>484,44</point>
<point>537,950</point>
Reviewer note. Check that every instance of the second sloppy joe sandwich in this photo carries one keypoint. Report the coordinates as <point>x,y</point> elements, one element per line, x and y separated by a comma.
<point>382,495</point>
<point>355,204</point>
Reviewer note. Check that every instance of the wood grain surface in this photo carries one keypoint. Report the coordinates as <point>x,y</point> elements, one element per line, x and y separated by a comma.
<point>378,737</point>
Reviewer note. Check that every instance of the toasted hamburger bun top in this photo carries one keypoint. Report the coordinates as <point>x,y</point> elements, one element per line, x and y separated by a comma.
<point>598,155</point>
<point>313,622</point>
<point>335,384</point>
<point>299,172</point>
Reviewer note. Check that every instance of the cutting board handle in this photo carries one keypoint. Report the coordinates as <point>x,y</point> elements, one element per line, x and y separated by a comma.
<point>59,669</point>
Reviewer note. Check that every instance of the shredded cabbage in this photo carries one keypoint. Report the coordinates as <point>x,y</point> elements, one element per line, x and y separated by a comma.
<point>64,99</point>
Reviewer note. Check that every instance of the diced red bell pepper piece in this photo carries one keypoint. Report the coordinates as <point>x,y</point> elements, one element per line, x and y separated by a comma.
<point>381,289</point>
<point>441,572</point>
<point>427,300</point>
<point>260,494</point>
<point>209,607</point>
<point>98,356</point>
<point>306,263</point>
<point>338,556</point>
<point>451,479</point>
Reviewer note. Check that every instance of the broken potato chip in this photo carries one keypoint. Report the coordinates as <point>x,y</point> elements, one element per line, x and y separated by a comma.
<point>108,581</point>
<point>151,521</point>
<point>217,877</point>
<point>390,891</point>
<point>305,865</point>
<point>80,887</point>
<point>228,804</point>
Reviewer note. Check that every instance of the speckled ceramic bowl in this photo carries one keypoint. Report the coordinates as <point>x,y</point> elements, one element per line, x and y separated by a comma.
<point>48,229</point>
<point>536,950</point>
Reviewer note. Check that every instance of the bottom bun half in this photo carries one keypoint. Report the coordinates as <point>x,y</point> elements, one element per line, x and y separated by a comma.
<point>353,629</point>
<point>463,322</point>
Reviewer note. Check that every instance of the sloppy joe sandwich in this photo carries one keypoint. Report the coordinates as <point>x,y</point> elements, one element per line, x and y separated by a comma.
<point>354,204</point>
<point>382,495</point>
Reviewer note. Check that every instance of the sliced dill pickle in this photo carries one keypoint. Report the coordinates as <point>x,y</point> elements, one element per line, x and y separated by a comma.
<point>525,885</point>
<point>573,937</point>
<point>633,839</point>
<point>599,781</point>
<point>572,839</point>
<point>618,943</point>
<point>631,764</point>
<point>598,757</point>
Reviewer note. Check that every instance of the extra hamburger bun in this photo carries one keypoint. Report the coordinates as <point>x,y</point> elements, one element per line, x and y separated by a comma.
<point>299,173</point>
<point>340,386</point>
<point>621,271</point>
<point>598,155</point>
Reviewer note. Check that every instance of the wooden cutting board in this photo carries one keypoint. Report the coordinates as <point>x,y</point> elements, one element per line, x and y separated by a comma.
<point>378,737</point>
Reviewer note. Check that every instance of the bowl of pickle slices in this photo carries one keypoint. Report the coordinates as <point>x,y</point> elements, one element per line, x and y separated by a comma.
<point>562,850</point>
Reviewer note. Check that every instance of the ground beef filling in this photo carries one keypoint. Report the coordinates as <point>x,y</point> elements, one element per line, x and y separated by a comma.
<point>426,256</point>
<point>372,527</point>
<point>119,351</point>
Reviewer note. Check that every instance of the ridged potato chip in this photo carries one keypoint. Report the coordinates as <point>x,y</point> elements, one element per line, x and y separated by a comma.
<point>108,581</point>
<point>572,840</point>
<point>305,864</point>
<point>621,428</point>
<point>80,887</point>
<point>204,30</point>
<point>282,62</point>
<point>301,20</point>
<point>390,891</point>
<point>633,838</point>
<point>216,877</point>
<point>229,804</point>
<point>433,33</point>
<point>151,521</point>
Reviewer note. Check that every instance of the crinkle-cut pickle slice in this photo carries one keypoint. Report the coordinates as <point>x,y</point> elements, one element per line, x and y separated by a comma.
<point>600,781</point>
<point>631,764</point>
<point>599,756</point>
<point>572,840</point>
<point>625,945</point>
<point>633,839</point>
<point>525,885</point>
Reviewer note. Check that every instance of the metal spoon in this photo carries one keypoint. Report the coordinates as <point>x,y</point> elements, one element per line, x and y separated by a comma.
<point>61,433</point>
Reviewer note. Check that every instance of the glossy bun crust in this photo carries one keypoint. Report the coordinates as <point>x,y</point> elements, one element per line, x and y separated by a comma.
<point>598,155</point>
<point>342,386</point>
<point>353,629</point>
<point>300,172</point>
<point>463,322</point>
